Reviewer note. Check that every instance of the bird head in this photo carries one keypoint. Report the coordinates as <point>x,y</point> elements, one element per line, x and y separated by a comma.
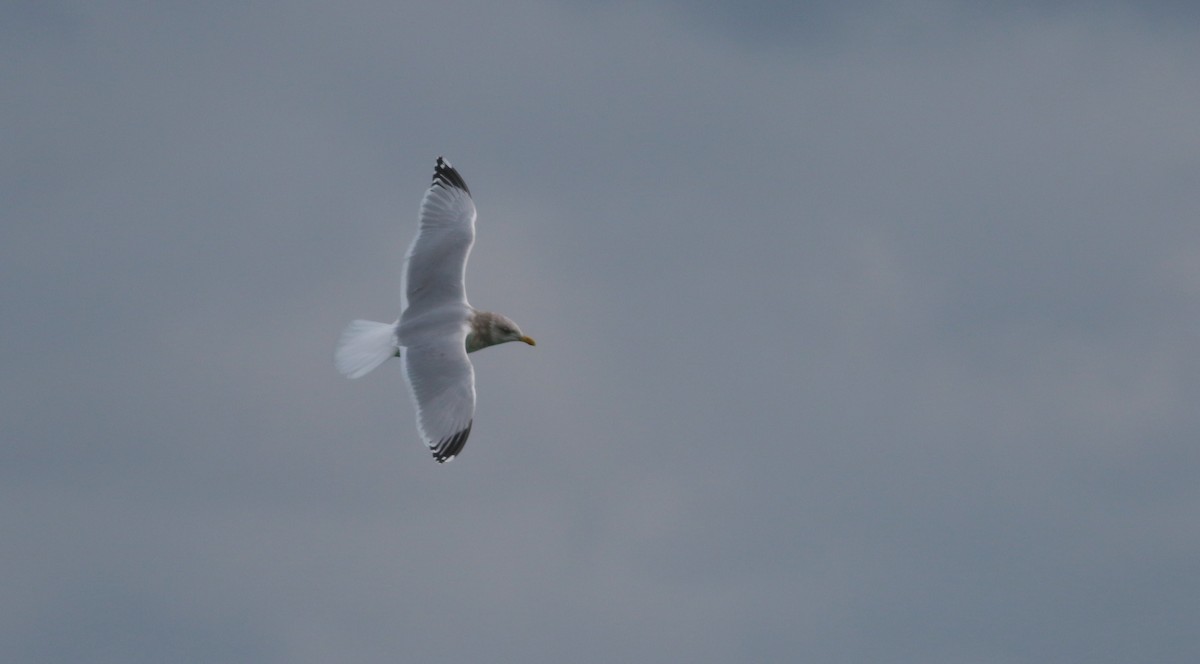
<point>504,329</point>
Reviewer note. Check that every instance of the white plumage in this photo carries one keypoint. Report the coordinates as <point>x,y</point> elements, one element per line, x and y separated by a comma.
<point>437,326</point>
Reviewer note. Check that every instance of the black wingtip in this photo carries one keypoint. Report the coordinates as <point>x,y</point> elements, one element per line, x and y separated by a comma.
<point>450,446</point>
<point>445,175</point>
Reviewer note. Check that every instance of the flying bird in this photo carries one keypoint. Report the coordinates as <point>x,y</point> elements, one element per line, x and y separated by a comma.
<point>437,326</point>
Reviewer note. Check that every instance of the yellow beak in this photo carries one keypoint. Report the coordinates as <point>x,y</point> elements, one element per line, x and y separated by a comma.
<point>529,341</point>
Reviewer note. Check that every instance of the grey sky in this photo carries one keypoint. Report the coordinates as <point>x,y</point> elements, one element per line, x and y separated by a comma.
<point>863,334</point>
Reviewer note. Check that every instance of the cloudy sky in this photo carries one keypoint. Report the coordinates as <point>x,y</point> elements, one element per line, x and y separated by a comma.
<point>867,332</point>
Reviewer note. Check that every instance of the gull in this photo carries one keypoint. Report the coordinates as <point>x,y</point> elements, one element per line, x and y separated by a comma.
<point>437,327</point>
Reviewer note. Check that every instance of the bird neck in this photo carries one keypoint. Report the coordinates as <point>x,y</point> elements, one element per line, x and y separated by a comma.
<point>480,335</point>
<point>474,342</point>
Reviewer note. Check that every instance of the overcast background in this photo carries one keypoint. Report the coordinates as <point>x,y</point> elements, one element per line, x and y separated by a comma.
<point>867,332</point>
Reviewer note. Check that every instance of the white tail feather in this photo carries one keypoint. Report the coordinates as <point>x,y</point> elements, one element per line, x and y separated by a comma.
<point>365,345</point>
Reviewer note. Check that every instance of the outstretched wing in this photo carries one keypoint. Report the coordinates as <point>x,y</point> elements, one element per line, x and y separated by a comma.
<point>436,264</point>
<point>433,322</point>
<point>443,385</point>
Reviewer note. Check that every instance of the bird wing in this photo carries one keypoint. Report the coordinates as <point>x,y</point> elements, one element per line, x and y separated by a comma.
<point>443,386</point>
<point>436,263</point>
<point>433,322</point>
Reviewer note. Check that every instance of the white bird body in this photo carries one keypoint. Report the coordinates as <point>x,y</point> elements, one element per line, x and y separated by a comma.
<point>437,326</point>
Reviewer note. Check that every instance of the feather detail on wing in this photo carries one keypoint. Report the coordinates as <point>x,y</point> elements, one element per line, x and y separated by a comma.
<point>436,264</point>
<point>443,385</point>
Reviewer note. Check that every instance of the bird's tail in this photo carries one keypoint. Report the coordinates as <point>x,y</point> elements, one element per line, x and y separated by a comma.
<point>365,345</point>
